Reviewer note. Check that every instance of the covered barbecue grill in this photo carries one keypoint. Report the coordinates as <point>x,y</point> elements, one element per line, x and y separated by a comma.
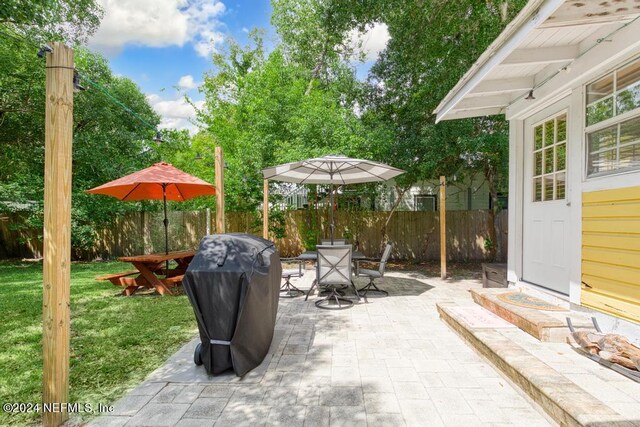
<point>233,284</point>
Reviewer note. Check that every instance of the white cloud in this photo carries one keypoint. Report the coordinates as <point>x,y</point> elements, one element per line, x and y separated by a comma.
<point>370,42</point>
<point>175,113</point>
<point>159,23</point>
<point>187,82</point>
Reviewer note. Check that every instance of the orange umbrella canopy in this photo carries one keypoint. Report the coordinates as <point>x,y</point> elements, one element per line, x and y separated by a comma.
<point>147,184</point>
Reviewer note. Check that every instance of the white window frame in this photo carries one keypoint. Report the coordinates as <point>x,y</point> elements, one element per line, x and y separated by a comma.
<point>431,197</point>
<point>532,178</point>
<point>613,121</point>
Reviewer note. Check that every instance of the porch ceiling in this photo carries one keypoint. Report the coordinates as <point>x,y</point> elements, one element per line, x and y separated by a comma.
<point>547,36</point>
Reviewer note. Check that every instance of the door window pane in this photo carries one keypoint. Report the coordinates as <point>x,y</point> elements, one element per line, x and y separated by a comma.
<point>560,186</point>
<point>548,160</point>
<point>562,128</point>
<point>561,157</point>
<point>549,133</point>
<point>547,182</point>
<point>538,137</point>
<point>537,167</point>
<point>537,189</point>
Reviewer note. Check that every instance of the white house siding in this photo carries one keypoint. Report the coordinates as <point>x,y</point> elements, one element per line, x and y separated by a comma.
<point>468,194</point>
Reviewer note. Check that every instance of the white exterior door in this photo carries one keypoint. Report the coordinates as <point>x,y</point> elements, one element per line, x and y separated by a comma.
<point>545,211</point>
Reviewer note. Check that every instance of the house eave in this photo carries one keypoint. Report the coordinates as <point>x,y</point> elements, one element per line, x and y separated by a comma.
<point>545,39</point>
<point>533,14</point>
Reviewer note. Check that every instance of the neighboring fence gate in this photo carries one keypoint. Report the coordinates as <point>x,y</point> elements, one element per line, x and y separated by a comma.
<point>415,234</point>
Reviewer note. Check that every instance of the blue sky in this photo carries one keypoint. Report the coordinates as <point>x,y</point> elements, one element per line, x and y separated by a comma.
<point>165,46</point>
<point>157,68</point>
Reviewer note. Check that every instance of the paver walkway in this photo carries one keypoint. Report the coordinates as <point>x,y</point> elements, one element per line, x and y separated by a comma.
<point>389,362</point>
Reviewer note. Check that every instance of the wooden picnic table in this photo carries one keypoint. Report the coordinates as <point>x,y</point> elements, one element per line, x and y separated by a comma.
<point>149,268</point>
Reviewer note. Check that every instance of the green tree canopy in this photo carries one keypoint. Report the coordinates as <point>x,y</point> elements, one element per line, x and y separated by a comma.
<point>260,110</point>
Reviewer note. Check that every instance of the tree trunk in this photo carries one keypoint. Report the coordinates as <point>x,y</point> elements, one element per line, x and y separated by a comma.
<point>401,192</point>
<point>490,176</point>
<point>315,74</point>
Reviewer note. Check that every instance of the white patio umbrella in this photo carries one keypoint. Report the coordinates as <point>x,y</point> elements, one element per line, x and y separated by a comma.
<point>332,170</point>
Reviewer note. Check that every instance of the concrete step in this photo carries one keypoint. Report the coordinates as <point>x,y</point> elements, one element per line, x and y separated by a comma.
<point>544,325</point>
<point>566,402</point>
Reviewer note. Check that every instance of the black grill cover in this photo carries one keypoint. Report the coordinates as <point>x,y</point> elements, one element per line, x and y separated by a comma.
<point>233,283</point>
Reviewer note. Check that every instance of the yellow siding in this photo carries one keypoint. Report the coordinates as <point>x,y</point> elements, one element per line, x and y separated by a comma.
<point>611,252</point>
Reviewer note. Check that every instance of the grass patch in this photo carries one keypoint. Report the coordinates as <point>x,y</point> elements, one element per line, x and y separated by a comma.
<point>115,341</point>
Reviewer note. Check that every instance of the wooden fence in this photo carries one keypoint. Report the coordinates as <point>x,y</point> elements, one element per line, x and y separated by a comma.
<point>415,234</point>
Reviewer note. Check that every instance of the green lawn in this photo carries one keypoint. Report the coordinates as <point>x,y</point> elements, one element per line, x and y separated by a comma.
<point>115,341</point>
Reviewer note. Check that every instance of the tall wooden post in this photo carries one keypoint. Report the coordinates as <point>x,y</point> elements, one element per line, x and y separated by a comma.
<point>219,166</point>
<point>56,275</point>
<point>265,210</point>
<point>443,228</point>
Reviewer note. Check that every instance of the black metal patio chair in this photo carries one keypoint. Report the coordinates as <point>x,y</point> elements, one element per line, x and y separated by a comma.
<point>333,269</point>
<point>288,290</point>
<point>375,274</point>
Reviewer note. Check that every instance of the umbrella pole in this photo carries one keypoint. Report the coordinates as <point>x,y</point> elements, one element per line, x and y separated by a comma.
<point>332,226</point>
<point>166,226</point>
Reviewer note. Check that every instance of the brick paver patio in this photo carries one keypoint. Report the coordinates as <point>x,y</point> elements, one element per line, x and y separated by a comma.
<point>388,362</point>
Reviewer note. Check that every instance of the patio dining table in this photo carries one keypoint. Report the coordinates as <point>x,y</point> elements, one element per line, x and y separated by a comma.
<point>313,256</point>
<point>149,268</point>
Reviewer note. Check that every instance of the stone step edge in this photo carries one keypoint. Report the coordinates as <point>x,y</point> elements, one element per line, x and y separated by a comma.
<point>565,402</point>
<point>538,330</point>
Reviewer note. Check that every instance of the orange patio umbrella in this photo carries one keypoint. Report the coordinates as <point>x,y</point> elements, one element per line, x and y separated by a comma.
<point>161,181</point>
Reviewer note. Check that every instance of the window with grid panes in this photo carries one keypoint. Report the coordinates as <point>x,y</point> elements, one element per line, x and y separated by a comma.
<point>550,159</point>
<point>613,121</point>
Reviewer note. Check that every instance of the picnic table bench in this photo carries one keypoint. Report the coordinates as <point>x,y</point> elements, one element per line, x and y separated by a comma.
<point>149,268</point>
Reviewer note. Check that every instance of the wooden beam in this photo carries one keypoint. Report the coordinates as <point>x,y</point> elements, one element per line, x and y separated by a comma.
<point>443,229</point>
<point>464,114</point>
<point>498,86</point>
<point>56,276</point>
<point>219,170</point>
<point>484,102</point>
<point>265,210</point>
<point>542,55</point>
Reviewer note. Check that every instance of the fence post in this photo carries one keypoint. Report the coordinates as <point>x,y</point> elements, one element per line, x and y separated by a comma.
<point>219,170</point>
<point>57,231</point>
<point>443,228</point>
<point>265,210</point>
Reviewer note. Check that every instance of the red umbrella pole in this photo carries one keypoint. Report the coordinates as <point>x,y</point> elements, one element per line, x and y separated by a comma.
<point>166,225</point>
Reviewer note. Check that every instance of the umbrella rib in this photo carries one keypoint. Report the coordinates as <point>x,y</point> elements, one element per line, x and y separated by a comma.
<point>307,177</point>
<point>179,191</point>
<point>370,173</point>
<point>129,193</point>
